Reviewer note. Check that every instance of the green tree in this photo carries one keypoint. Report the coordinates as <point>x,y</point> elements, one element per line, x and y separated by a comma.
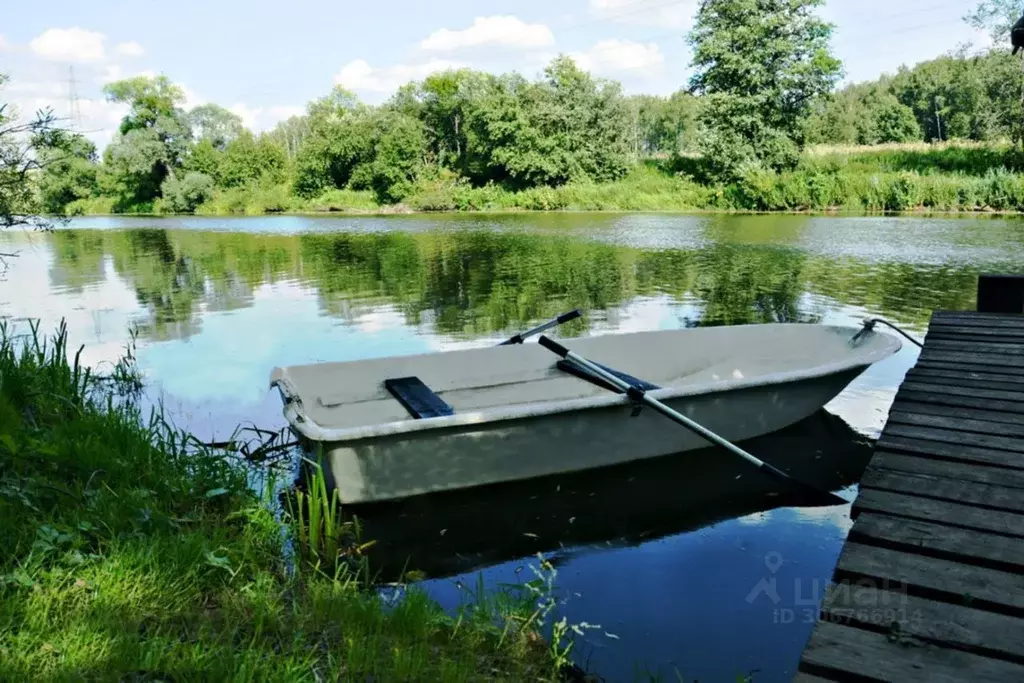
<point>340,138</point>
<point>398,156</point>
<point>153,140</point>
<point>184,195</point>
<point>216,124</point>
<point>863,114</point>
<point>290,133</point>
<point>569,126</point>
<point>664,125</point>
<point>24,145</point>
<point>760,65</point>
<point>69,172</point>
<point>205,158</point>
<point>250,159</point>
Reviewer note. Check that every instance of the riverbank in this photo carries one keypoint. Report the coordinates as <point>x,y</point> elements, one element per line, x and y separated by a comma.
<point>949,178</point>
<point>132,551</point>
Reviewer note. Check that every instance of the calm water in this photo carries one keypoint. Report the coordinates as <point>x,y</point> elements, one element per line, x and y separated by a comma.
<point>690,563</point>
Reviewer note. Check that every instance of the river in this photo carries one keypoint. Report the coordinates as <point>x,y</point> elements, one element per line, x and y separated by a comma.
<point>688,564</point>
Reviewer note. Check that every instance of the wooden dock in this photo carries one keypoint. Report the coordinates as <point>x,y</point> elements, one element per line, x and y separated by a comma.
<point>930,583</point>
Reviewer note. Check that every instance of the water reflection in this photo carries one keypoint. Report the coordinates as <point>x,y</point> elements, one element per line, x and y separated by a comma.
<point>474,282</point>
<point>444,534</point>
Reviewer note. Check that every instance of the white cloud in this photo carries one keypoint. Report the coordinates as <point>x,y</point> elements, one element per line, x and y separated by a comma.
<point>69,45</point>
<point>283,112</point>
<point>192,98</point>
<point>615,56</point>
<point>499,31</point>
<point>98,119</point>
<point>645,12</point>
<point>130,49</point>
<point>359,75</point>
<point>259,119</point>
<point>114,72</point>
<point>4,45</point>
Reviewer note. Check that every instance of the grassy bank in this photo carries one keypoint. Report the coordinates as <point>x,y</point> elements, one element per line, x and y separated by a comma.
<point>133,552</point>
<point>949,177</point>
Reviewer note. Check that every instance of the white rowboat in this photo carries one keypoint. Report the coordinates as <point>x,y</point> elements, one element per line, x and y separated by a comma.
<point>516,415</point>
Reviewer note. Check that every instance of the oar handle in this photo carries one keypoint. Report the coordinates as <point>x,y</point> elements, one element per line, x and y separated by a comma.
<point>553,346</point>
<point>564,318</point>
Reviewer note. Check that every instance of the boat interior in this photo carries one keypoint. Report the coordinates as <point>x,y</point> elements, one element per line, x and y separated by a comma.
<point>353,394</point>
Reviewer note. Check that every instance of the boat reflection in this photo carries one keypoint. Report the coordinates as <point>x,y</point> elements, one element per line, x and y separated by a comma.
<point>459,531</point>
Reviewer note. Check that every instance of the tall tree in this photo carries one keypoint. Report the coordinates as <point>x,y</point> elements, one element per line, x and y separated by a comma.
<point>760,65</point>
<point>154,138</point>
<point>24,149</point>
<point>215,123</point>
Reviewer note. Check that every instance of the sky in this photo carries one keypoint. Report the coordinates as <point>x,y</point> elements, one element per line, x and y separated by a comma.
<point>265,60</point>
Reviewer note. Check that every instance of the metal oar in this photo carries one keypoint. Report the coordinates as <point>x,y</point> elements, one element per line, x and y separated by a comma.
<point>826,497</point>
<point>564,318</point>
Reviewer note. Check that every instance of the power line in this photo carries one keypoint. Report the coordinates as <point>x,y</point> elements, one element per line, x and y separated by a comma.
<point>74,111</point>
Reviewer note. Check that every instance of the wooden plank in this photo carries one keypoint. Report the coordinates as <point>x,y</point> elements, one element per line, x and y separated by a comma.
<point>969,372</point>
<point>928,361</point>
<point>941,512</point>
<point>969,356</point>
<point>976,347</point>
<point>854,654</point>
<point>983,633</point>
<point>938,397</point>
<point>934,578</point>
<point>901,405</point>
<point>986,496</point>
<point>939,540</point>
<point>959,424</point>
<point>967,379</point>
<point>945,451</point>
<point>1002,339</point>
<point>981,474</point>
<point>802,677</point>
<point>953,329</point>
<point>1001,443</point>
<point>976,319</point>
<point>949,387</point>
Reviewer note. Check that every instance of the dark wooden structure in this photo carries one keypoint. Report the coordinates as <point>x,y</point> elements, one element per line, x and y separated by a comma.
<point>1001,294</point>
<point>930,583</point>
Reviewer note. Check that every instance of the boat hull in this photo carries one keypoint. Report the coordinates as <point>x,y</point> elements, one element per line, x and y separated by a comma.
<point>413,463</point>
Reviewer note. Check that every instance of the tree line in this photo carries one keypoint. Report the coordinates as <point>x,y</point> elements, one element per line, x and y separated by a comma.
<point>762,89</point>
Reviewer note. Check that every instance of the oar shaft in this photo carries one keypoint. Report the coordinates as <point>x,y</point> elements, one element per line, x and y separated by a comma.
<point>661,407</point>
<point>564,318</point>
<point>638,394</point>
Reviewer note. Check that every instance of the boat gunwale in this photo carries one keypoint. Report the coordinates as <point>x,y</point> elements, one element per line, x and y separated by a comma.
<point>301,422</point>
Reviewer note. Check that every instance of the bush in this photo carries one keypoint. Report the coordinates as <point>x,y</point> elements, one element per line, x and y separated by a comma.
<point>185,195</point>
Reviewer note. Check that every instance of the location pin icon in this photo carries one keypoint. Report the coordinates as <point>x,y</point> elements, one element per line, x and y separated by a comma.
<point>773,561</point>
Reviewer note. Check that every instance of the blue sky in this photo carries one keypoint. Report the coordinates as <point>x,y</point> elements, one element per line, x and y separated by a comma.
<point>265,59</point>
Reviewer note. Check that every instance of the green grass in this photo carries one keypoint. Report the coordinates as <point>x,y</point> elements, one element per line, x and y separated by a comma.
<point>133,552</point>
<point>945,177</point>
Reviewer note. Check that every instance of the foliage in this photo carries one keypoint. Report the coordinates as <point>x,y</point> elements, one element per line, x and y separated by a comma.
<point>215,124</point>
<point>665,125</point>
<point>68,172</point>
<point>759,65</point>
<point>26,149</point>
<point>866,114</point>
<point>250,159</point>
<point>154,139</point>
<point>186,194</point>
<point>995,16</point>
